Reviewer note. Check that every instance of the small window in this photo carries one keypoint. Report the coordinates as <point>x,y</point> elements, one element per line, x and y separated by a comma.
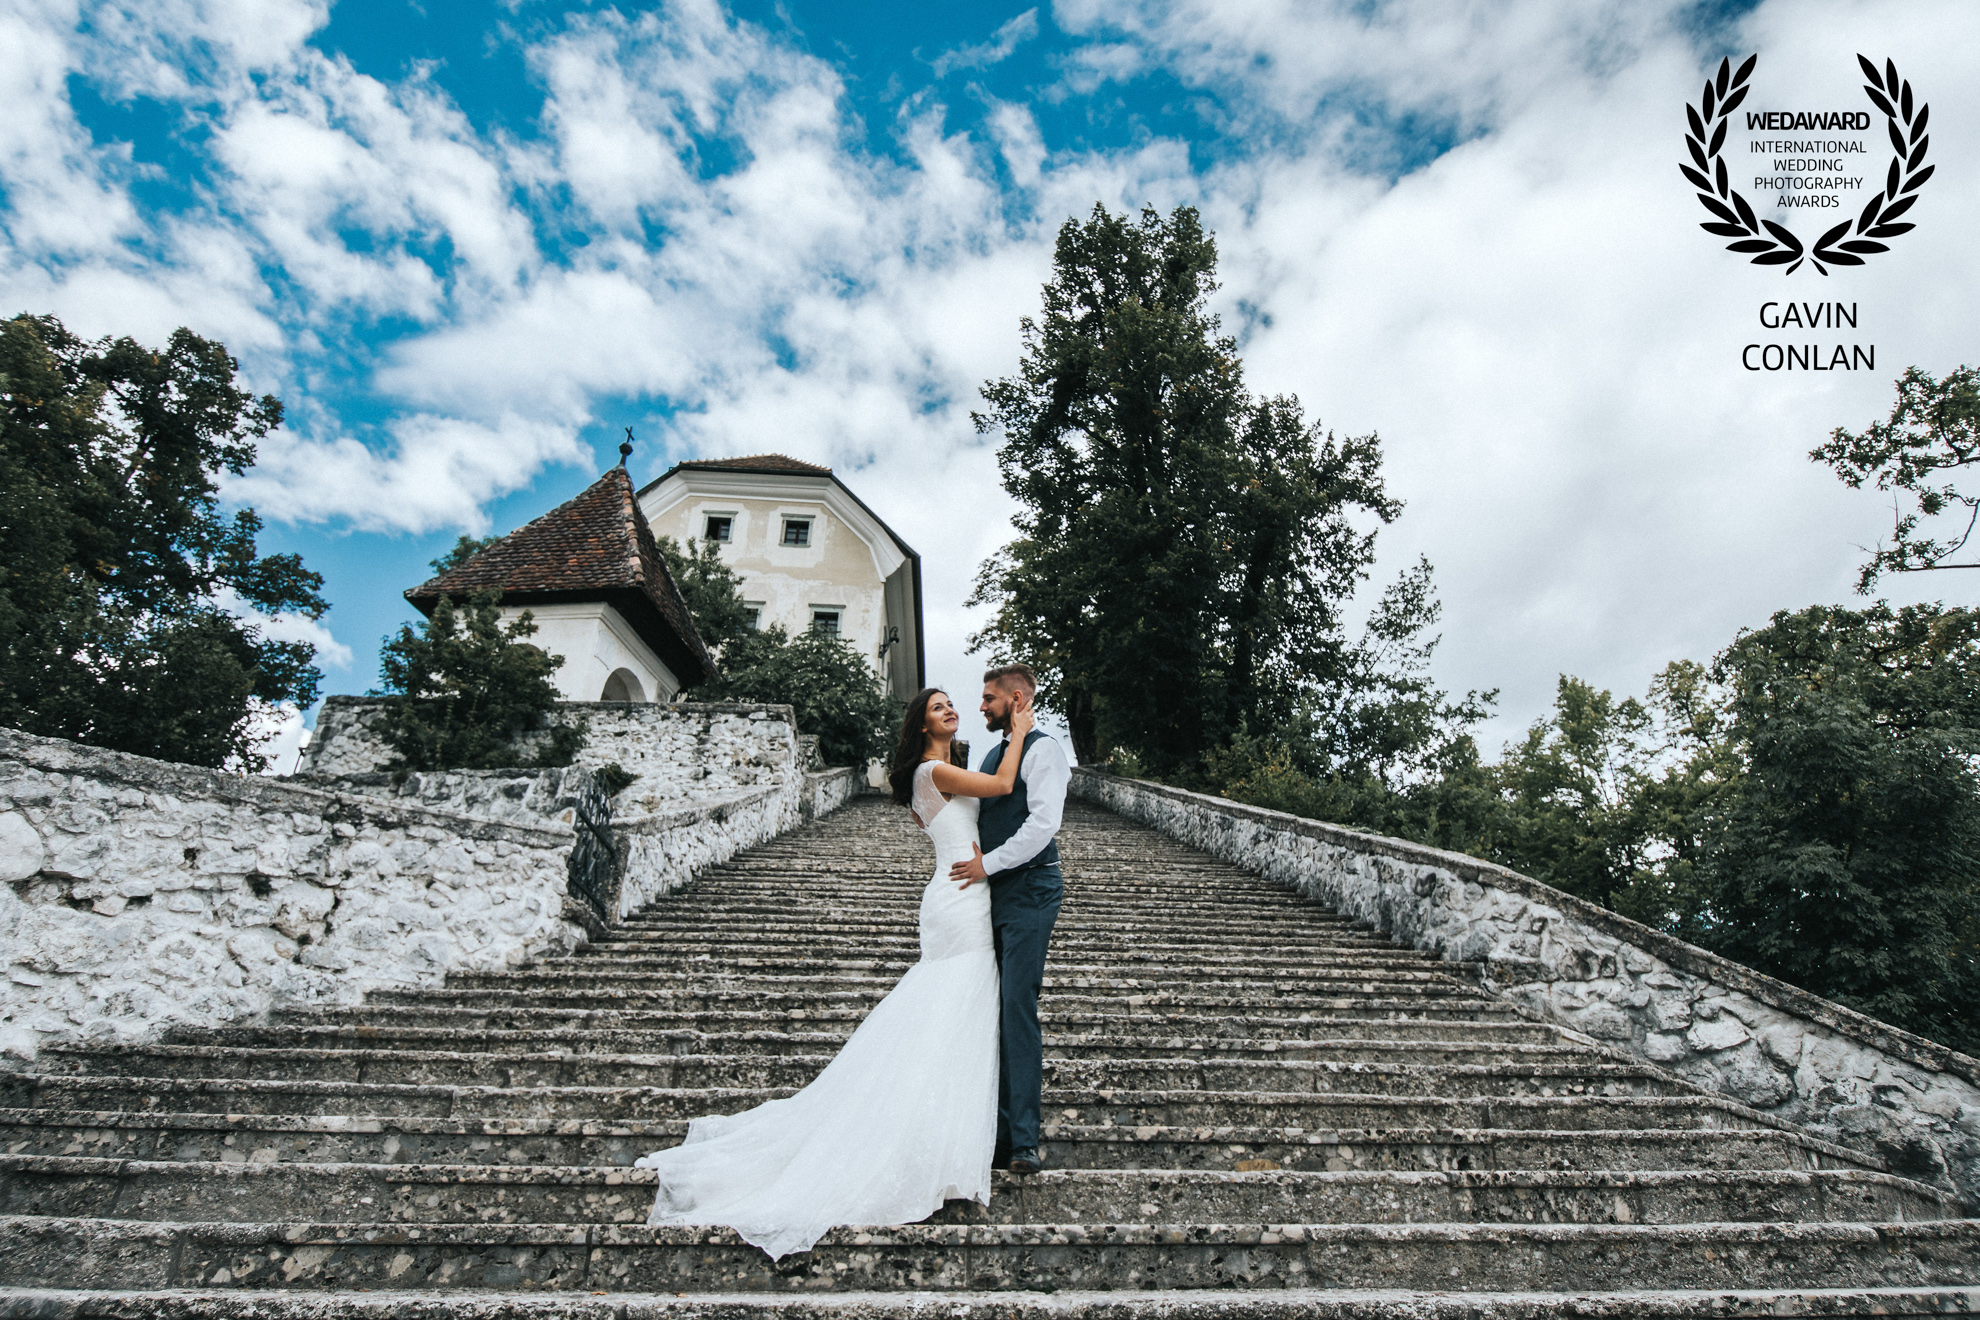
<point>753,612</point>
<point>720,527</point>
<point>797,531</point>
<point>825,621</point>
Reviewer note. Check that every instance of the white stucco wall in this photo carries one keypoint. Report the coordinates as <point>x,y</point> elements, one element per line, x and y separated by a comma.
<point>846,564</point>
<point>596,641</point>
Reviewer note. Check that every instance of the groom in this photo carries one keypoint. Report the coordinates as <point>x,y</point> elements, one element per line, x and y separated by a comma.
<point>1022,868</point>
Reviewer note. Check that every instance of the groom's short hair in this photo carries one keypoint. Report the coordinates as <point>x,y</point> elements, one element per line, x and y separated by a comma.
<point>1012,676</point>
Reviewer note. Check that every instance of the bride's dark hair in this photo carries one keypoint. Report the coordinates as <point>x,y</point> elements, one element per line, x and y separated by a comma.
<point>913,746</point>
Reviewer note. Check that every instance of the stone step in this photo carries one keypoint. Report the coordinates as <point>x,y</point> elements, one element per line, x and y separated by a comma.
<point>732,1071</point>
<point>1074,928</point>
<point>1074,953</point>
<point>839,973</point>
<point>1445,1149</point>
<point>371,1139</point>
<point>1147,942</point>
<point>900,900</point>
<point>701,907</point>
<point>786,873</point>
<point>914,853</point>
<point>1120,996</point>
<point>85,1253</point>
<point>82,1187</point>
<point>1163,945</point>
<point>915,856</point>
<point>1149,1041</point>
<point>1362,1109</point>
<point>1166,897</point>
<point>841,1018</point>
<point>1633,1303</point>
<point>691,915</point>
<point>690,996</point>
<point>829,972</point>
<point>1380,1111</point>
<point>236,1138</point>
<point>261,1138</point>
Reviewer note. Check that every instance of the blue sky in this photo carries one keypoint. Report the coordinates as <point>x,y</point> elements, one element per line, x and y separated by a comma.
<point>467,243</point>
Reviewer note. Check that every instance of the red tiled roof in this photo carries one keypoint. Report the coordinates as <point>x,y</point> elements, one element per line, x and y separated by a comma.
<point>595,546</point>
<point>753,463</point>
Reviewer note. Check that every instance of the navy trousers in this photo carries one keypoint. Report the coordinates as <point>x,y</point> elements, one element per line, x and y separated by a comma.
<point>1023,906</point>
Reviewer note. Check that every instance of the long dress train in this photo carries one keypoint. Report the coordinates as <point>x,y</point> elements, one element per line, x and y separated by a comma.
<point>902,1120</point>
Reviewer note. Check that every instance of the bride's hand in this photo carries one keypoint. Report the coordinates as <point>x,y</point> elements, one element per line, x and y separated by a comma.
<point>1022,723</point>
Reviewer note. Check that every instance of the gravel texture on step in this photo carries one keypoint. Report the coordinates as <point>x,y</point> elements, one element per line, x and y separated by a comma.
<point>86,1187</point>
<point>56,1252</point>
<point>273,1138</point>
<point>1282,1304</point>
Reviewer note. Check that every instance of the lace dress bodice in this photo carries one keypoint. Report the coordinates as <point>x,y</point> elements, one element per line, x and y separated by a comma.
<point>953,919</point>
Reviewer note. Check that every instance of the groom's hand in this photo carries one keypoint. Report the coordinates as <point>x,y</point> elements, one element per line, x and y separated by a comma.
<point>971,871</point>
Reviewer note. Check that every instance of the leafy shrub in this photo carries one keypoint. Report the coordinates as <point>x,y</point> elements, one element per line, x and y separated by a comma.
<point>468,693</point>
<point>613,778</point>
<point>834,691</point>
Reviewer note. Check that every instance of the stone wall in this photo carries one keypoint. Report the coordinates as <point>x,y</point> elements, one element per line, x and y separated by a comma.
<point>1721,1026</point>
<point>142,894</point>
<point>518,797</point>
<point>710,779</point>
<point>681,754</point>
<point>665,850</point>
<point>825,791</point>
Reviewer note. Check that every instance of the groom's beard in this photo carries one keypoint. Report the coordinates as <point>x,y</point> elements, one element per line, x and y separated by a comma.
<point>999,723</point>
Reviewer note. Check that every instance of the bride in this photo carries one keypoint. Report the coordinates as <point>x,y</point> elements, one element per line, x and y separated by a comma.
<point>906,1115</point>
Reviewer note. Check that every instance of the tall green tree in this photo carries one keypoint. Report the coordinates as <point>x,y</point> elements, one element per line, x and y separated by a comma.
<point>119,571</point>
<point>1931,436</point>
<point>1570,785</point>
<point>1182,550</point>
<point>1373,711</point>
<point>711,589</point>
<point>1846,859</point>
<point>468,692</point>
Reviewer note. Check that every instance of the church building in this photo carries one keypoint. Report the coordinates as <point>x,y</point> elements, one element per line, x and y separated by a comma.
<point>591,576</point>
<point>811,554</point>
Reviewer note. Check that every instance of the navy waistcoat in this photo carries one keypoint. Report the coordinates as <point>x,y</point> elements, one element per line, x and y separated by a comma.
<point>999,817</point>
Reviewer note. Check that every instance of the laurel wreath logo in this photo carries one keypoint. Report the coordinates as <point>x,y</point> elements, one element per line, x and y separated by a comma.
<point>1769,244</point>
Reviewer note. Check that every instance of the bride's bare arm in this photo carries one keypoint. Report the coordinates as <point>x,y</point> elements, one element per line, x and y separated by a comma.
<point>958,782</point>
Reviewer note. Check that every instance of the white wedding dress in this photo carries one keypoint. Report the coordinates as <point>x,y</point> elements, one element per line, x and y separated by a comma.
<point>901,1121</point>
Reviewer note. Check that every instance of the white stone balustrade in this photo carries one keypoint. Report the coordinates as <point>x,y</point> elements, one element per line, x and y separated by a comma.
<point>142,895</point>
<point>1723,1027</point>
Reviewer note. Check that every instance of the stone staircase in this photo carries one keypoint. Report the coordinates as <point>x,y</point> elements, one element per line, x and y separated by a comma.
<point>1243,1093</point>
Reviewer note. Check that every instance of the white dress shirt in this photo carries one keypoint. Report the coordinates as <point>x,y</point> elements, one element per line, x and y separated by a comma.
<point>1046,777</point>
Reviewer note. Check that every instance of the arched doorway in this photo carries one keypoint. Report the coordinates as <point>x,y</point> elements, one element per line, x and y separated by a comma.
<point>623,685</point>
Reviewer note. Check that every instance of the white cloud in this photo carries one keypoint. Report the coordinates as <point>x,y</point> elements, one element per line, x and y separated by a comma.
<point>287,628</point>
<point>438,472</point>
<point>1002,45</point>
<point>279,734</point>
<point>1549,345</point>
<point>1532,320</point>
<point>63,190</point>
